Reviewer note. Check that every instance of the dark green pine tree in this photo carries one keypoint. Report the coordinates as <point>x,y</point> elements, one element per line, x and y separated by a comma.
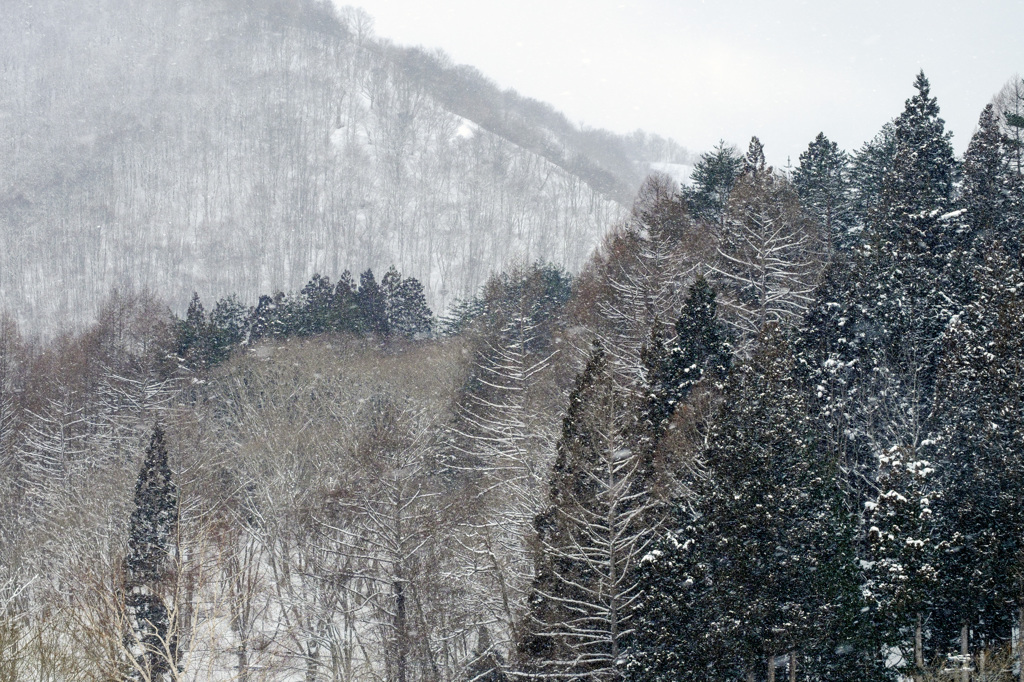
<point>589,540</point>
<point>347,314</point>
<point>263,319</point>
<point>713,178</point>
<point>765,565</point>
<point>151,638</point>
<point>676,611</point>
<point>886,313</point>
<point>915,243</point>
<point>901,574</point>
<point>923,168</point>
<point>823,186</point>
<point>672,368</point>
<point>228,327</point>
<point>976,429</point>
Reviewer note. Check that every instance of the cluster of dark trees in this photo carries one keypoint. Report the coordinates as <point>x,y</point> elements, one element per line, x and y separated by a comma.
<point>825,477</point>
<point>393,308</point>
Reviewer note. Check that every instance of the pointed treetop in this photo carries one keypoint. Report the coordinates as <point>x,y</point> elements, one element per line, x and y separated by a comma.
<point>754,163</point>
<point>922,84</point>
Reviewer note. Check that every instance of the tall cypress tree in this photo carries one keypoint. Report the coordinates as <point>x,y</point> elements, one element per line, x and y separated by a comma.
<point>988,187</point>
<point>868,169</point>
<point>151,637</point>
<point>821,183</point>
<point>976,426</point>
<point>875,328</point>
<point>765,562</point>
<point>901,571</point>
<point>372,305</point>
<point>713,178</point>
<point>673,367</point>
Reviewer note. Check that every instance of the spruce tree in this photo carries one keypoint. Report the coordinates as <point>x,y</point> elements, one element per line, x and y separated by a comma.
<point>151,638</point>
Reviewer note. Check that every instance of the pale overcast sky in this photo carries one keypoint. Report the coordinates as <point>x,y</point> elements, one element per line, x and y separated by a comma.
<point>699,71</point>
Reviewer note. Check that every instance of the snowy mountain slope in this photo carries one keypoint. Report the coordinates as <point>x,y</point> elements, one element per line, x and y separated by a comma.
<point>203,146</point>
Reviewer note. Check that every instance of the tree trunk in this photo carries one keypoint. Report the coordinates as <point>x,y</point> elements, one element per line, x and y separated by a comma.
<point>243,661</point>
<point>401,633</point>
<point>750,676</point>
<point>792,666</point>
<point>919,645</point>
<point>771,668</point>
<point>965,669</point>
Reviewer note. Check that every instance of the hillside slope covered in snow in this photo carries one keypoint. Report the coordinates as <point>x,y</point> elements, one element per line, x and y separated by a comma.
<point>226,147</point>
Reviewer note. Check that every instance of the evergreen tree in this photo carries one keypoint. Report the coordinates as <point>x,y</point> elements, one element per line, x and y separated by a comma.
<point>880,311</point>
<point>194,342</point>
<point>987,194</point>
<point>151,636</point>
<point>228,326</point>
<point>346,305</point>
<point>713,178</point>
<point>405,305</point>
<point>319,314</point>
<point>672,368</point>
<point>765,561</point>
<point>822,185</point>
<point>902,577</point>
<point>920,182</point>
<point>372,305</point>
<point>263,321</point>
<point>868,170</point>
<point>977,423</point>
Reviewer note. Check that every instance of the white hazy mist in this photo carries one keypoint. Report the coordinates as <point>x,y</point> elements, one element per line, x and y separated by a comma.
<point>700,71</point>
